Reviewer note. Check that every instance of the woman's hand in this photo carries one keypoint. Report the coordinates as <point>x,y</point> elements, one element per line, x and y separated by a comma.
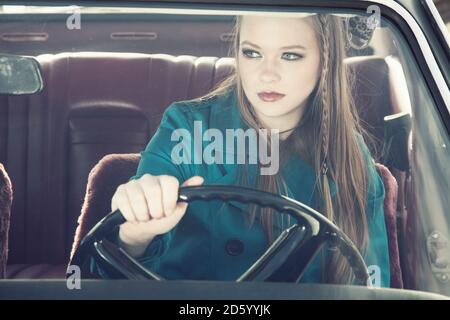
<point>149,205</point>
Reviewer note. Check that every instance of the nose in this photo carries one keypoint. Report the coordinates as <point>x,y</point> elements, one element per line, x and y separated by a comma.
<point>269,72</point>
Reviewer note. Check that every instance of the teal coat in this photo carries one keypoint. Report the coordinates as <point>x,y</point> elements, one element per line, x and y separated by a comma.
<point>213,240</point>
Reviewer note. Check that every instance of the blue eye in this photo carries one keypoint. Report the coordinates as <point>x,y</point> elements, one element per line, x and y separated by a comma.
<point>290,56</point>
<point>251,53</point>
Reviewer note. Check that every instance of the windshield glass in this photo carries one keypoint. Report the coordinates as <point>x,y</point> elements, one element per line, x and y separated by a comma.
<point>328,109</point>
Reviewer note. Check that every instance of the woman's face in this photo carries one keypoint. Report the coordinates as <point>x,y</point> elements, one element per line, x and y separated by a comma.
<point>279,62</point>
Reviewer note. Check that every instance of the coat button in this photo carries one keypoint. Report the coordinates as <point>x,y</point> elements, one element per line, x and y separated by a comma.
<point>234,247</point>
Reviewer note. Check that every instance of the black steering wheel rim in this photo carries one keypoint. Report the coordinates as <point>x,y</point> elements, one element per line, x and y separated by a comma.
<point>298,243</point>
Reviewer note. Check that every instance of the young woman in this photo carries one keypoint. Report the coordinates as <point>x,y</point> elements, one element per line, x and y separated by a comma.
<point>289,76</point>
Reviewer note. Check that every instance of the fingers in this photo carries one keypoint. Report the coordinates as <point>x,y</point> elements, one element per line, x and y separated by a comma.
<point>169,188</point>
<point>151,202</point>
<point>193,181</point>
<point>120,201</point>
<point>138,202</point>
<point>114,206</point>
<point>168,223</point>
<point>182,206</point>
<point>151,188</point>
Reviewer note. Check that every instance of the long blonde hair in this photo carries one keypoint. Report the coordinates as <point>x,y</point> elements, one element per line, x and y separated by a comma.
<point>329,125</point>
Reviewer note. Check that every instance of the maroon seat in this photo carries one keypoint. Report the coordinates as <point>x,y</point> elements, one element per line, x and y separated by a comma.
<point>105,177</point>
<point>390,216</point>
<point>95,104</point>
<point>5,212</point>
<point>116,169</point>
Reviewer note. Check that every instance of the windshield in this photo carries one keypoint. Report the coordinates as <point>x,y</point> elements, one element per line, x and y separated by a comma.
<point>327,108</point>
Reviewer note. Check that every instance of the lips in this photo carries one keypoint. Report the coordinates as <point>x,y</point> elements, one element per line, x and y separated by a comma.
<point>270,96</point>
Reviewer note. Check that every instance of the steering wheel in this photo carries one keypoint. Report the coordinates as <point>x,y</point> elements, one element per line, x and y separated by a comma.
<point>284,261</point>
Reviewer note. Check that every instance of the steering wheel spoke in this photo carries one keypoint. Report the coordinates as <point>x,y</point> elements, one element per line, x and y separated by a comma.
<point>123,262</point>
<point>287,258</point>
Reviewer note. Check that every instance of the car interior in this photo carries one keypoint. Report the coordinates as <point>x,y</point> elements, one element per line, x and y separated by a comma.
<point>64,150</point>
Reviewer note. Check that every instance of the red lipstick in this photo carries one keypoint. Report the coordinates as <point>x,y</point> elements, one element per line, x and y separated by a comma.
<point>270,96</point>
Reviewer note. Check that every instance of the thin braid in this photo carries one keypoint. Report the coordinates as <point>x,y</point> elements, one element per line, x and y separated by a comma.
<point>325,128</point>
<point>326,120</point>
<point>325,102</point>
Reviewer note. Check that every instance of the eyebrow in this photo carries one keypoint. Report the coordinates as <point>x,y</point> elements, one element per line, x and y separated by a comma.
<point>287,47</point>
